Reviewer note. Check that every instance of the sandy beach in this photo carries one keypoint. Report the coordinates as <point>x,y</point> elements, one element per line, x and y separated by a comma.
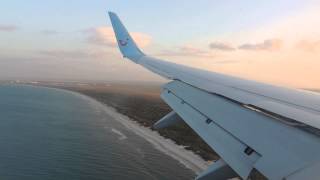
<point>167,146</point>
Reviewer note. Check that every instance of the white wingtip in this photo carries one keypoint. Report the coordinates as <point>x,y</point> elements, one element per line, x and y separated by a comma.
<point>125,42</point>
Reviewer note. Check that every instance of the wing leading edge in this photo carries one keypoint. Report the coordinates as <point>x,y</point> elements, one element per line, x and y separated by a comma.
<point>277,108</point>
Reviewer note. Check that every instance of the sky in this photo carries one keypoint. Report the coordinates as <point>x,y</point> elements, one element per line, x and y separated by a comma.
<point>275,41</point>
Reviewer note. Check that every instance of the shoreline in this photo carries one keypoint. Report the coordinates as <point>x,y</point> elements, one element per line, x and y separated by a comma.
<point>186,157</point>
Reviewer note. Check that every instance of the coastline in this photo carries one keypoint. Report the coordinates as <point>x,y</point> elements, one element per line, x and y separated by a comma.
<point>186,157</point>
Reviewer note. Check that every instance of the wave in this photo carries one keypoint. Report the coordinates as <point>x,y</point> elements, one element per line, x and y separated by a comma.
<point>119,133</point>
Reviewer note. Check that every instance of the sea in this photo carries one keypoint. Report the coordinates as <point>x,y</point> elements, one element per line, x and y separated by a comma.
<point>47,133</point>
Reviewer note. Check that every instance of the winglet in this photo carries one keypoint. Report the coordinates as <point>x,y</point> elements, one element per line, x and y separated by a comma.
<point>126,44</point>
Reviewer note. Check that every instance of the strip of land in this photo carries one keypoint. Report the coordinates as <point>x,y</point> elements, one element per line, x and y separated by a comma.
<point>142,103</point>
<point>167,146</point>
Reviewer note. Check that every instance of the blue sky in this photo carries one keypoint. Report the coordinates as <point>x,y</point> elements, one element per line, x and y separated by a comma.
<point>185,19</point>
<point>72,40</point>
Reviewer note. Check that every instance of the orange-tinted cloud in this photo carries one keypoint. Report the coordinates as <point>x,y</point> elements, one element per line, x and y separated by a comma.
<point>269,44</point>
<point>309,46</point>
<point>186,50</point>
<point>105,36</point>
<point>221,46</point>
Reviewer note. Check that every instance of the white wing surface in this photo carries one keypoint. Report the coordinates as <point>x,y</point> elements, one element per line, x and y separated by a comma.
<point>251,125</point>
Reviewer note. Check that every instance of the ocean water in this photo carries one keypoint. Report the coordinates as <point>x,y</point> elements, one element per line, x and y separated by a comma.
<point>54,134</point>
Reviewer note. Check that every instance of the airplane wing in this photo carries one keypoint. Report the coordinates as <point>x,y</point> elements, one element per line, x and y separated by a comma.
<point>251,125</point>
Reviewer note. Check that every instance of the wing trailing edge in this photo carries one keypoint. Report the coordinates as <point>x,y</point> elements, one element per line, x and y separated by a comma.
<point>215,106</point>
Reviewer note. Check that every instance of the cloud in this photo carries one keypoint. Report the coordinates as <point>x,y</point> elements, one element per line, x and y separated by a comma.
<point>71,54</point>
<point>105,36</point>
<point>309,46</point>
<point>186,50</point>
<point>84,65</point>
<point>269,44</point>
<point>50,32</point>
<point>221,46</point>
<point>8,28</point>
<point>192,50</point>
